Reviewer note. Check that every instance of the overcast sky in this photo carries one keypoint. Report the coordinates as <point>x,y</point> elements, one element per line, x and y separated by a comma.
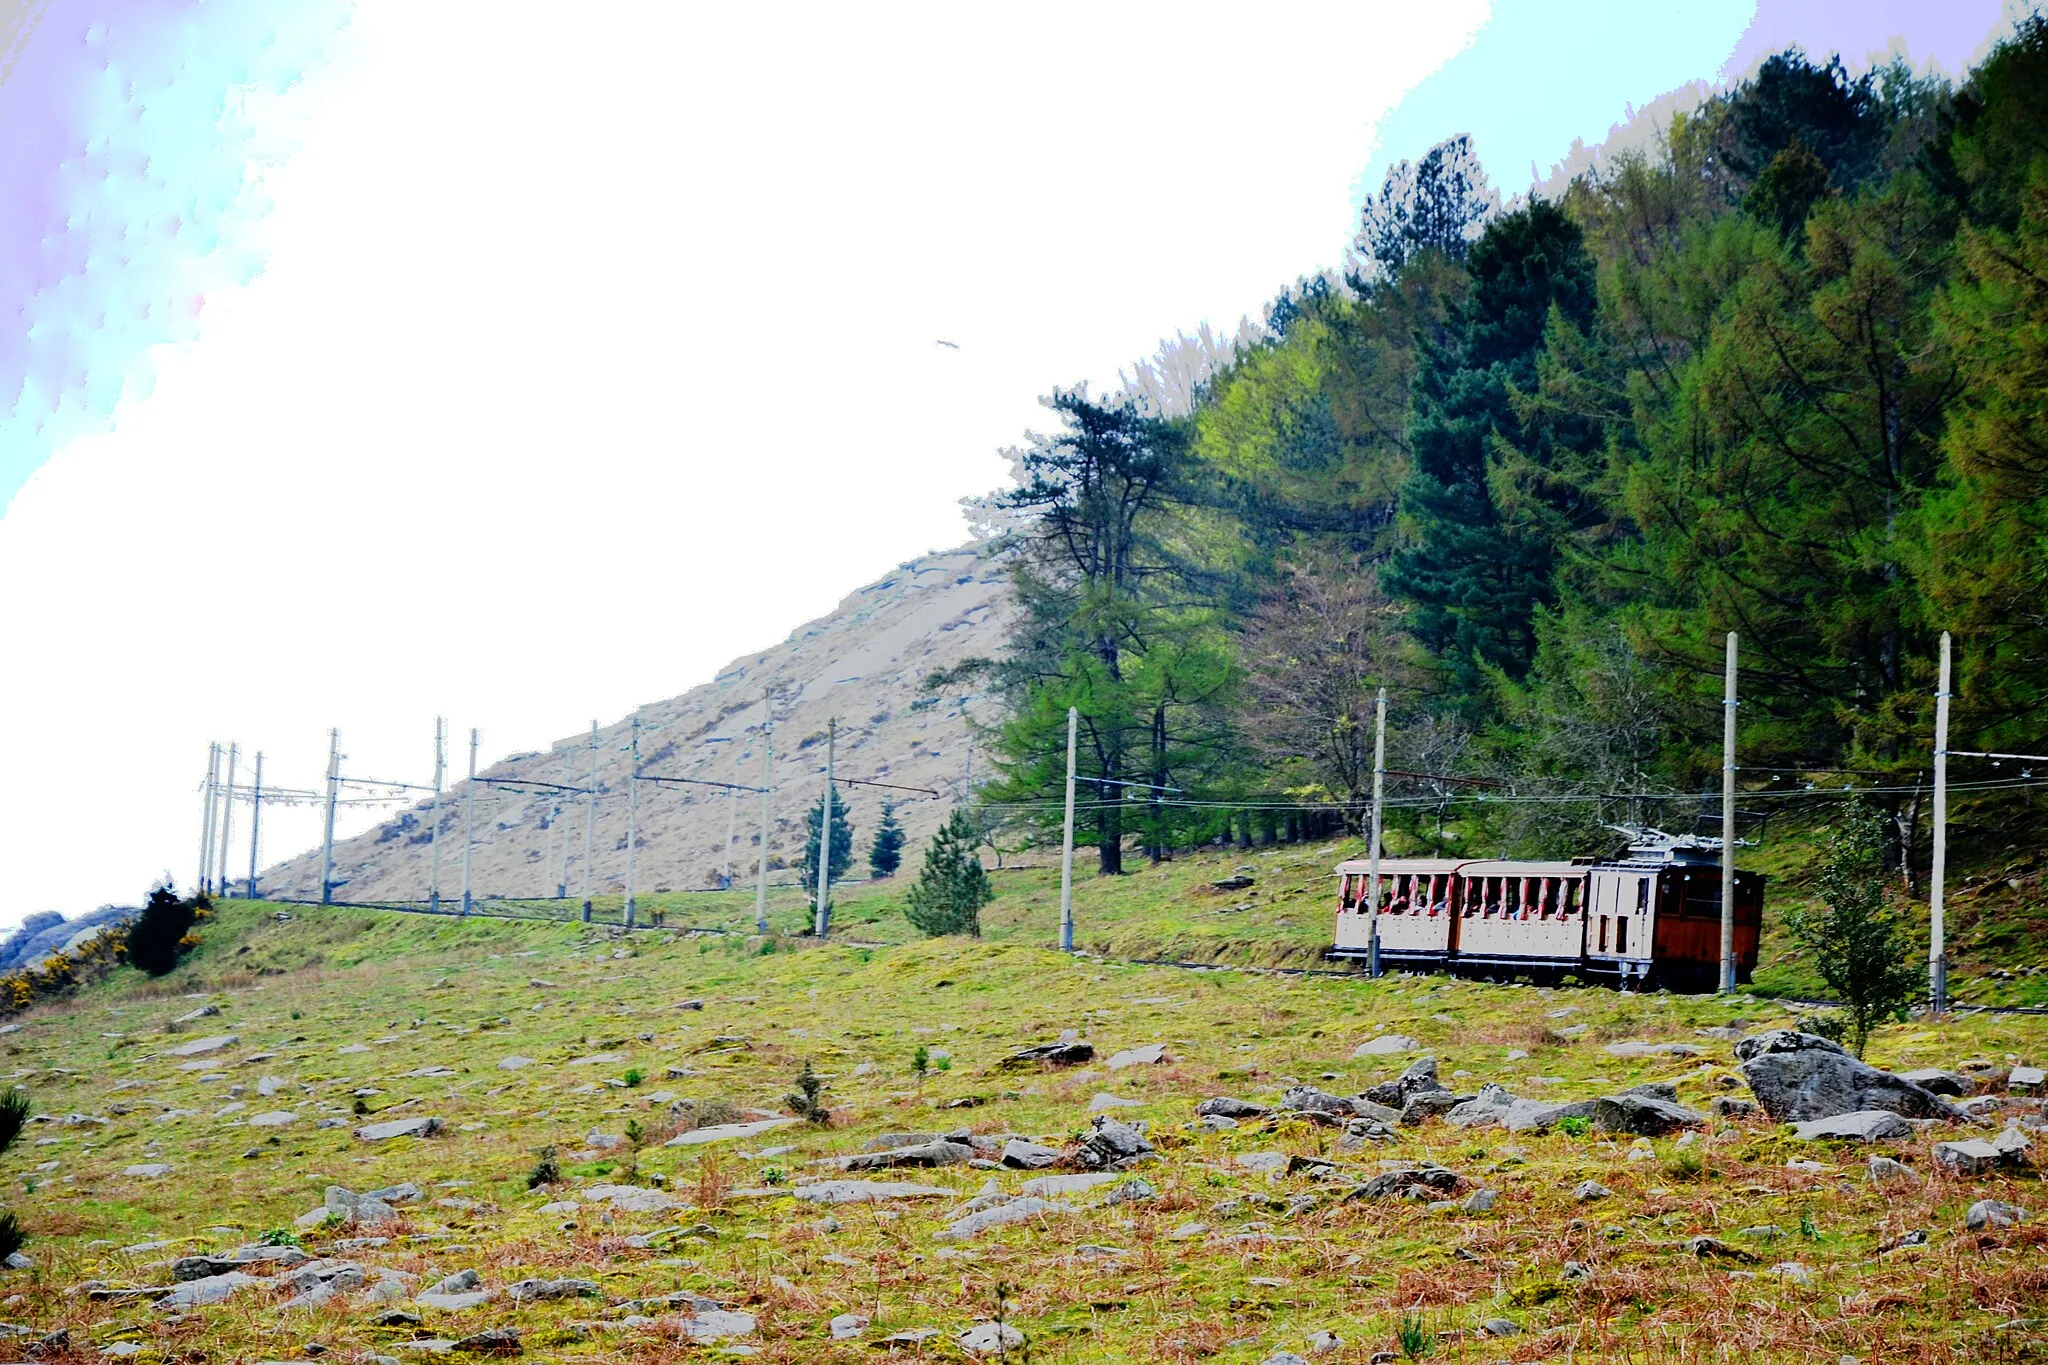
<point>587,354</point>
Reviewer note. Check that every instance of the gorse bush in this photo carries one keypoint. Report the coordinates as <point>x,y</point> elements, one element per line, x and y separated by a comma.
<point>161,934</point>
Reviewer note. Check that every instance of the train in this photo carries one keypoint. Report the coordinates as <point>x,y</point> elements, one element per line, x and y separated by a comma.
<point>1648,919</point>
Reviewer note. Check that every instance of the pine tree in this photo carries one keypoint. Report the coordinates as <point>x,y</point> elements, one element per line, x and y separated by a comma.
<point>1857,944</point>
<point>14,1115</point>
<point>156,940</point>
<point>885,855</point>
<point>953,886</point>
<point>842,842</point>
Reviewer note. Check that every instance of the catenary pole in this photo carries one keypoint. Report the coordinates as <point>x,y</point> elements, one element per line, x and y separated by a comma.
<point>1372,851</point>
<point>732,815</point>
<point>632,820</point>
<point>767,776</point>
<point>1067,841</point>
<point>562,881</point>
<point>255,821</point>
<point>469,822</point>
<point>206,823</point>
<point>589,821</point>
<point>823,922</point>
<point>1728,708</point>
<point>327,840</point>
<point>434,833</point>
<point>1937,941</point>
<point>227,818</point>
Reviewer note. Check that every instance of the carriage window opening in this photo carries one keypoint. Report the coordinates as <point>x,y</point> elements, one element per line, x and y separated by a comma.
<point>1642,895</point>
<point>1621,934</point>
<point>1603,933</point>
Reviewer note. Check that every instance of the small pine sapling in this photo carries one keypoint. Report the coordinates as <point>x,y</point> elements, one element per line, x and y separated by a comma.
<point>808,1102</point>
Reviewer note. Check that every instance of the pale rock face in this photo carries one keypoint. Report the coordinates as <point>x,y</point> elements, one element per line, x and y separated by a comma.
<point>864,663</point>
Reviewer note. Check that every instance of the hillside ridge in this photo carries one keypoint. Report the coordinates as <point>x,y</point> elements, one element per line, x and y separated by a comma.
<point>863,663</point>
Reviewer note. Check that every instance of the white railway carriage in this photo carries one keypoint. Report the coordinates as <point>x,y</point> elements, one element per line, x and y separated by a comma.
<point>1653,916</point>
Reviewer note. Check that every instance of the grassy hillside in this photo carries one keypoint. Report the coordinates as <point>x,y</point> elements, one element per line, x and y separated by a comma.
<point>413,1016</point>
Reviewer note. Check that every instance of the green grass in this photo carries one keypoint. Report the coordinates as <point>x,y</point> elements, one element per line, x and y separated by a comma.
<point>425,992</point>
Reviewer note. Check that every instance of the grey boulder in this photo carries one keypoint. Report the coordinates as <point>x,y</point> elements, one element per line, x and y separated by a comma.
<point>1799,1077</point>
<point>1865,1125</point>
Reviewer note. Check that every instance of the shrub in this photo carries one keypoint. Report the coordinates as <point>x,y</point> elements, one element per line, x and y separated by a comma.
<point>634,1075</point>
<point>546,1170</point>
<point>14,1111</point>
<point>1574,1126</point>
<point>1856,943</point>
<point>953,885</point>
<point>808,1102</point>
<point>160,935</point>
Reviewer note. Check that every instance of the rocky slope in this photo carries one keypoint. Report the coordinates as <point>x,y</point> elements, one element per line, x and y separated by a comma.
<point>862,664</point>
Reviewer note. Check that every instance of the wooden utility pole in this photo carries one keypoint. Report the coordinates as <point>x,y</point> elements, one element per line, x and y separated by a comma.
<point>469,823</point>
<point>1067,844</point>
<point>327,842</point>
<point>1372,852</point>
<point>1728,708</point>
<point>822,923</point>
<point>1937,941</point>
<point>589,821</point>
<point>632,820</point>
<point>767,775</point>
<point>255,821</point>
<point>434,833</point>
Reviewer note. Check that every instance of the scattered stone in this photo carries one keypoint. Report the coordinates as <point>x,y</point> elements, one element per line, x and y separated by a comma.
<point>1865,1125</point>
<point>1939,1081</point>
<point>207,1289</point>
<point>457,1293</point>
<point>1634,1048</point>
<point>1027,1156</point>
<point>865,1191</point>
<point>1262,1163</point>
<point>1416,1182</point>
<point>514,1062</point>
<point>726,1132</point>
<point>1131,1192</point>
<point>1798,1077</point>
<point>149,1170</point>
<point>710,1324</point>
<point>1710,1248</point>
<point>1481,1201</point>
<point>277,1118</point>
<point>1013,1211</point>
<point>1386,1045</point>
<point>1420,1078</point>
<point>1973,1156</point>
<point>847,1326</point>
<point>1224,1106</point>
<point>1111,1145</point>
<point>1104,1100</point>
<point>2027,1080</point>
<point>494,1341</point>
<point>938,1152</point>
<point>985,1338</point>
<point>1590,1190</point>
<point>201,1047</point>
<point>1993,1213</point>
<point>1151,1054</point>
<point>398,1128</point>
<point>1062,1053</point>
<point>1500,1327</point>
<point>1729,1107</point>
<point>1324,1342</point>
<point>1642,1115</point>
<point>1885,1171</point>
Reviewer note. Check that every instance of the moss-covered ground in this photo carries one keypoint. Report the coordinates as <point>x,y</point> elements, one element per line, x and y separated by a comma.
<point>340,1006</point>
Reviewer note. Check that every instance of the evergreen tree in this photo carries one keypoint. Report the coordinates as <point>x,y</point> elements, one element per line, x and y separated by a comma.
<point>1474,575</point>
<point>1856,943</point>
<point>885,855</point>
<point>14,1115</point>
<point>1436,204</point>
<point>952,886</point>
<point>157,938</point>
<point>842,843</point>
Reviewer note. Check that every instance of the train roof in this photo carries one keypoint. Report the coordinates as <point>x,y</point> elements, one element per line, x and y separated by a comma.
<point>1469,867</point>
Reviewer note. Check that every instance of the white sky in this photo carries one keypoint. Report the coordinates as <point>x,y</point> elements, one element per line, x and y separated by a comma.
<point>592,355</point>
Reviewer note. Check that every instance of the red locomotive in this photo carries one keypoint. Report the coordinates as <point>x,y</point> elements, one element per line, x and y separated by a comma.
<point>1652,917</point>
